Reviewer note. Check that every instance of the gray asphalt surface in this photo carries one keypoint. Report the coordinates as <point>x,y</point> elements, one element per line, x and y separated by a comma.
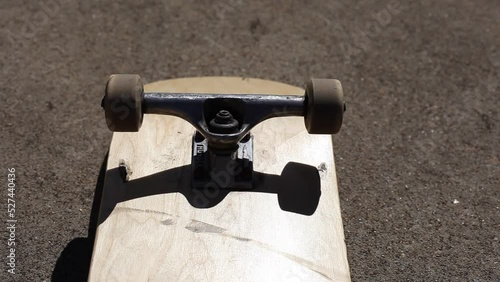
<point>417,157</point>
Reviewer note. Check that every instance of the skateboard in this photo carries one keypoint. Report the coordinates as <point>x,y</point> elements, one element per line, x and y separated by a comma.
<point>220,179</point>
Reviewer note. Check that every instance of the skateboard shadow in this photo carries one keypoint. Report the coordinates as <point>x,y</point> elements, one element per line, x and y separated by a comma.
<point>298,190</point>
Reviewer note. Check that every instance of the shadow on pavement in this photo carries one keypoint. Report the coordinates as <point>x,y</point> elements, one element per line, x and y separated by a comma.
<point>74,262</point>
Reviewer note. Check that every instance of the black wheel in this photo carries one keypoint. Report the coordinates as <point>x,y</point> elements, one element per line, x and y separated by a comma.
<point>122,102</point>
<point>325,106</point>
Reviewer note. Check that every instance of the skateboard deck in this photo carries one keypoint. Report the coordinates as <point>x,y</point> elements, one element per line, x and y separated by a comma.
<point>155,227</point>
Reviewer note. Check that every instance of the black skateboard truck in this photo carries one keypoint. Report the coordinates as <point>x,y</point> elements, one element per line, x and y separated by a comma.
<point>222,155</point>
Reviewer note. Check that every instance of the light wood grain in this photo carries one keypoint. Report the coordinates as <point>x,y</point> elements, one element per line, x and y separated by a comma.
<point>147,235</point>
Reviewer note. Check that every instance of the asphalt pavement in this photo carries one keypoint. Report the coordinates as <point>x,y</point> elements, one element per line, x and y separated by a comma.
<point>417,157</point>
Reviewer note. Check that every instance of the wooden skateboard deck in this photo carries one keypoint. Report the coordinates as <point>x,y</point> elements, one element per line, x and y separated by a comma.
<point>153,227</point>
